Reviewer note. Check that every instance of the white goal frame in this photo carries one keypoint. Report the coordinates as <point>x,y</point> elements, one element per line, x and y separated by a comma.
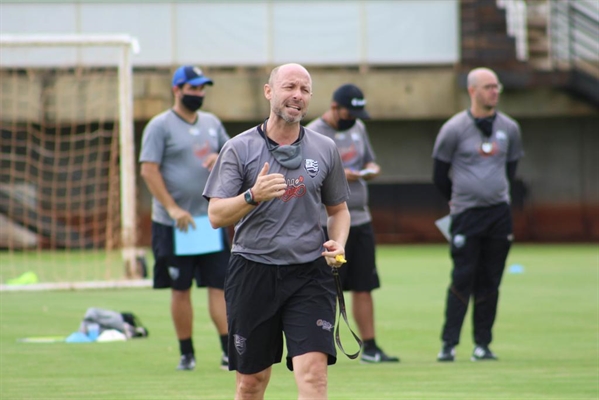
<point>128,45</point>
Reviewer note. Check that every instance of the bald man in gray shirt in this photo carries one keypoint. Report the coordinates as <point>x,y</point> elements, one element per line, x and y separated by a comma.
<point>475,159</point>
<point>270,182</point>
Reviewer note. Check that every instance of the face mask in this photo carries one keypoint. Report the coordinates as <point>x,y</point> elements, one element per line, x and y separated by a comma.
<point>345,124</point>
<point>191,102</point>
<point>288,155</point>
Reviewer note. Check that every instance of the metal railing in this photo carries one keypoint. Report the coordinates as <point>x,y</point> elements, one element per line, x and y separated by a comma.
<point>574,35</point>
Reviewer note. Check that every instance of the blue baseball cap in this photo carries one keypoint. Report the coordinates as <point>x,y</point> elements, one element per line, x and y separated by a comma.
<point>192,75</point>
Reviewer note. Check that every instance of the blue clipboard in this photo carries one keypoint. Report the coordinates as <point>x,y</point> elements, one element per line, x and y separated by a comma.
<point>202,240</point>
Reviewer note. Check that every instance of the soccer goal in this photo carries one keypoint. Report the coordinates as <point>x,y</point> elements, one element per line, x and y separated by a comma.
<point>67,180</point>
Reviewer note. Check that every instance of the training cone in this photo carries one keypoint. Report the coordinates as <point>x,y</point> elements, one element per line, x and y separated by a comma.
<point>26,278</point>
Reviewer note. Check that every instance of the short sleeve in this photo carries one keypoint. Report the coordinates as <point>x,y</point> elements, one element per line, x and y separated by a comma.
<point>153,142</point>
<point>445,144</point>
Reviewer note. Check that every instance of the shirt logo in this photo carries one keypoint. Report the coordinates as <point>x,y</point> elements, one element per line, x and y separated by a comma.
<point>194,131</point>
<point>311,167</point>
<point>501,135</point>
<point>201,151</point>
<point>295,188</point>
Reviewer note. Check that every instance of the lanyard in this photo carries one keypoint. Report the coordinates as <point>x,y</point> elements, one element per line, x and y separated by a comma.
<point>343,313</point>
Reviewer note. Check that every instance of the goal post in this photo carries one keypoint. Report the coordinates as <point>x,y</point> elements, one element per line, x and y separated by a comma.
<point>91,106</point>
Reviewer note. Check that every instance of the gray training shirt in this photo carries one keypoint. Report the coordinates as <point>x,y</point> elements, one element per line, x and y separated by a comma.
<point>180,148</point>
<point>284,230</point>
<point>478,179</point>
<point>355,151</point>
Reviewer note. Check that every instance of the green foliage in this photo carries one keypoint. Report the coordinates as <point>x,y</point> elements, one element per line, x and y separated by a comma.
<point>546,337</point>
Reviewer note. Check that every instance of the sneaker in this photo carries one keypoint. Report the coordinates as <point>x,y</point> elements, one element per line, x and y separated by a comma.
<point>446,354</point>
<point>482,353</point>
<point>224,362</point>
<point>376,356</point>
<point>187,363</point>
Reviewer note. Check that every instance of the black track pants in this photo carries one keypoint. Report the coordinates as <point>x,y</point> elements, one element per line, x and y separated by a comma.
<point>481,240</point>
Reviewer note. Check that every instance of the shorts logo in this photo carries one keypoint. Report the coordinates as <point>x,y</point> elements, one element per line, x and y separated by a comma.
<point>311,167</point>
<point>459,241</point>
<point>239,343</point>
<point>326,325</point>
<point>510,237</point>
<point>173,272</point>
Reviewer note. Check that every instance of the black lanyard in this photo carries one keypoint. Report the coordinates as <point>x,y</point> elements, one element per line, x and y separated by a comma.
<point>343,313</point>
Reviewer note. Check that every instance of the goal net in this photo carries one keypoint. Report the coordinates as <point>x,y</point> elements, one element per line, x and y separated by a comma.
<point>67,178</point>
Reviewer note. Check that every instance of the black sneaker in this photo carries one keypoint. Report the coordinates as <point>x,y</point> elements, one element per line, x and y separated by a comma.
<point>447,353</point>
<point>224,362</point>
<point>376,356</point>
<point>187,363</point>
<point>482,353</point>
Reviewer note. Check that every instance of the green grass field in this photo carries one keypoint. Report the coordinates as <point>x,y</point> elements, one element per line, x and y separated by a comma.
<point>546,336</point>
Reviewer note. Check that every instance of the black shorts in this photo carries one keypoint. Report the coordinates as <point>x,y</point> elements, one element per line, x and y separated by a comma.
<point>178,272</point>
<point>265,301</point>
<point>359,274</point>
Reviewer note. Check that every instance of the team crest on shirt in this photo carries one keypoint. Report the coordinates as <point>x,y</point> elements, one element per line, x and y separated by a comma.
<point>501,135</point>
<point>311,167</point>
<point>239,343</point>
<point>459,241</point>
<point>212,132</point>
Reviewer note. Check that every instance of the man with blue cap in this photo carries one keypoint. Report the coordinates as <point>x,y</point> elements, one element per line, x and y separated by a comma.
<point>179,148</point>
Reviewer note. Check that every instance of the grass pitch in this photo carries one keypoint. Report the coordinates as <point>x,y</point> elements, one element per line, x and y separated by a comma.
<point>546,336</point>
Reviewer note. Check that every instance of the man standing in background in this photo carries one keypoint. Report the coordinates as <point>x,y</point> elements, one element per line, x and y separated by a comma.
<point>481,147</point>
<point>343,123</point>
<point>179,149</point>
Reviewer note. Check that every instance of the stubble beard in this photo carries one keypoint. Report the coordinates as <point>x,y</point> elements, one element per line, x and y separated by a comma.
<point>280,112</point>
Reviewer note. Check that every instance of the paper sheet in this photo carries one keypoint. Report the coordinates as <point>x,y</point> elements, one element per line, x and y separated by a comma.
<point>201,240</point>
<point>443,225</point>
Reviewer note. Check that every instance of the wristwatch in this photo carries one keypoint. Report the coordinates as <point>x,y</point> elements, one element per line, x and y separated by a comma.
<point>249,198</point>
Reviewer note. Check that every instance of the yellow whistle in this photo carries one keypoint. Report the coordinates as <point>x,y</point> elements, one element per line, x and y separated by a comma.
<point>340,258</point>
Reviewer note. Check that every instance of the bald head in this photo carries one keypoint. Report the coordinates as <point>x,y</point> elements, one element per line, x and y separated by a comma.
<point>285,69</point>
<point>477,75</point>
<point>484,89</point>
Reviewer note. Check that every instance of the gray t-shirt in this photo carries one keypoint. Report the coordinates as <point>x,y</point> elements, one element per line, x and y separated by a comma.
<point>355,150</point>
<point>478,179</point>
<point>284,230</point>
<point>180,148</point>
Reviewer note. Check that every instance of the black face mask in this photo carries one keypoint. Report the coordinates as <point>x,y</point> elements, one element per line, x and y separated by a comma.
<point>345,124</point>
<point>191,102</point>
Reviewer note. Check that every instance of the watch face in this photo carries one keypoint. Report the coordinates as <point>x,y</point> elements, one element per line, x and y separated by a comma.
<point>248,198</point>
